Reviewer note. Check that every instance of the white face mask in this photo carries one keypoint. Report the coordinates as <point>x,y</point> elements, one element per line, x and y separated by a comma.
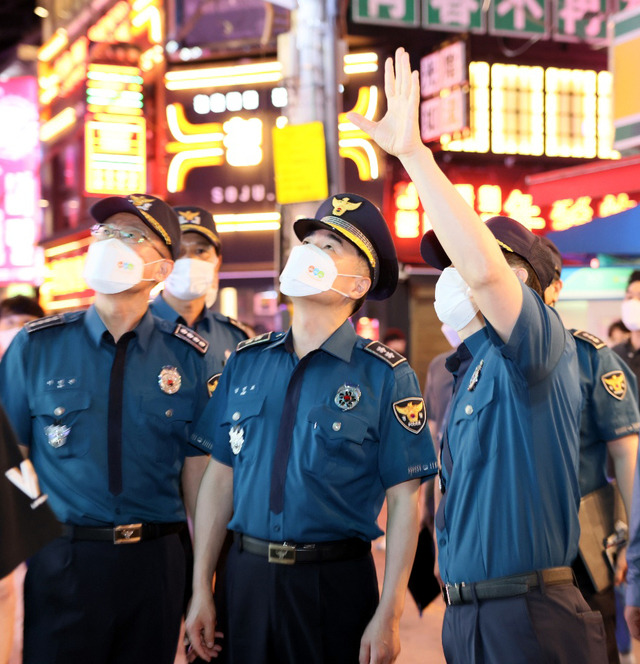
<point>6,337</point>
<point>631,314</point>
<point>453,304</point>
<point>113,267</point>
<point>309,271</point>
<point>450,335</point>
<point>190,279</point>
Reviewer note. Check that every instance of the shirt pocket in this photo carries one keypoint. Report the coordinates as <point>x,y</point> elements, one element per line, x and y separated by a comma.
<point>337,432</point>
<point>474,431</point>
<point>241,425</point>
<point>57,422</point>
<point>163,426</point>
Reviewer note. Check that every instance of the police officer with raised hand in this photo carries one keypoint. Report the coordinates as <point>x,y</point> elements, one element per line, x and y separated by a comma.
<point>609,427</point>
<point>192,282</point>
<point>103,401</point>
<point>309,430</point>
<point>507,522</point>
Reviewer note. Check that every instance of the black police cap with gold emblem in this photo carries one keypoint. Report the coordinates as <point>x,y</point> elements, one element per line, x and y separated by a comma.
<point>512,236</point>
<point>154,212</point>
<point>360,222</point>
<point>198,220</point>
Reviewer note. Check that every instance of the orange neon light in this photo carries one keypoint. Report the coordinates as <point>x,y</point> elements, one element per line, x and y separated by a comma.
<point>53,46</point>
<point>353,143</point>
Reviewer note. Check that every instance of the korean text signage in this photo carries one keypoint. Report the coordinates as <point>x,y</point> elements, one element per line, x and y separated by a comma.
<point>562,20</point>
<point>20,218</point>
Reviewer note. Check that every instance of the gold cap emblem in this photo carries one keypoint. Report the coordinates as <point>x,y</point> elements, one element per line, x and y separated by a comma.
<point>342,205</point>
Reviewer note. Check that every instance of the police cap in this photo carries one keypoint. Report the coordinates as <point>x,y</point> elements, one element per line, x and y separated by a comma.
<point>512,236</point>
<point>360,222</point>
<point>153,211</point>
<point>198,220</point>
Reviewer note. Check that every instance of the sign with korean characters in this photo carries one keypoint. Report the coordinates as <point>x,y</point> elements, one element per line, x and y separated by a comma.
<point>580,20</point>
<point>454,15</point>
<point>520,18</point>
<point>387,12</point>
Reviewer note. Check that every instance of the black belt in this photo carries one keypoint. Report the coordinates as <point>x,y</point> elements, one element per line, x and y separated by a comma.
<point>505,586</point>
<point>130,533</point>
<point>288,553</point>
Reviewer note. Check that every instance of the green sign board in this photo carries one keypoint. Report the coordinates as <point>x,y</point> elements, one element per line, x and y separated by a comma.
<point>520,18</point>
<point>580,20</point>
<point>453,15</point>
<point>387,12</point>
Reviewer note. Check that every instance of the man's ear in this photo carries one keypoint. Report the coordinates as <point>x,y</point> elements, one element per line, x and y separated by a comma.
<point>163,270</point>
<point>361,286</point>
<point>521,273</point>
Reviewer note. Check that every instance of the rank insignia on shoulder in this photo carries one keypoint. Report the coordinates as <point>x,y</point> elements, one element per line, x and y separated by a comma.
<point>43,323</point>
<point>193,338</point>
<point>596,342</point>
<point>411,413</point>
<point>615,382</point>
<point>261,339</point>
<point>241,326</point>
<point>212,383</point>
<point>390,356</point>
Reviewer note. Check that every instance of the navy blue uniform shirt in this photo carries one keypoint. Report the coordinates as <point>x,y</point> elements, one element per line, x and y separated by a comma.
<point>58,375</point>
<point>610,410</point>
<point>222,332</point>
<point>512,496</point>
<point>341,459</point>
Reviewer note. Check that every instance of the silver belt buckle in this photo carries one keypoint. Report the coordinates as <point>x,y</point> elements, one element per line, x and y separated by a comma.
<point>130,533</point>
<point>282,554</point>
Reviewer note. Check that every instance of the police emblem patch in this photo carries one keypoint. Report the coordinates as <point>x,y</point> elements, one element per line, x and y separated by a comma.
<point>212,383</point>
<point>236,439</point>
<point>411,414</point>
<point>347,397</point>
<point>169,380</point>
<point>342,205</point>
<point>57,434</point>
<point>615,383</point>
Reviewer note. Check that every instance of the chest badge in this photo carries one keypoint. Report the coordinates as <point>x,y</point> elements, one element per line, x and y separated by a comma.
<point>475,376</point>
<point>347,397</point>
<point>411,413</point>
<point>236,438</point>
<point>57,434</point>
<point>169,380</point>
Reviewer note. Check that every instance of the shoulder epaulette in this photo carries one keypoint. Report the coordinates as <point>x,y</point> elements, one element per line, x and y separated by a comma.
<point>241,326</point>
<point>43,323</point>
<point>596,342</point>
<point>187,334</point>
<point>261,339</point>
<point>390,356</point>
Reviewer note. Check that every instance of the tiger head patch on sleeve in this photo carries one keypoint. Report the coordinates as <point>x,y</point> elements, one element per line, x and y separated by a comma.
<point>615,382</point>
<point>411,413</point>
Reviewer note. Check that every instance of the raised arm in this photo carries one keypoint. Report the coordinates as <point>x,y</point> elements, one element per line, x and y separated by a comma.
<point>469,244</point>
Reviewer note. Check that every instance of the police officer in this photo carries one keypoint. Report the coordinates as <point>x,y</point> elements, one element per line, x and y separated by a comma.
<point>629,350</point>
<point>309,430</point>
<point>507,523</point>
<point>192,282</point>
<point>104,400</point>
<point>609,426</point>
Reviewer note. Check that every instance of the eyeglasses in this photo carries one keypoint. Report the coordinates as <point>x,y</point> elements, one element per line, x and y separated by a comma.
<point>128,235</point>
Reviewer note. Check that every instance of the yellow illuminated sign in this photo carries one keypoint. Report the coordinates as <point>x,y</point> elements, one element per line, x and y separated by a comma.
<point>115,156</point>
<point>568,212</point>
<point>300,164</point>
<point>353,143</point>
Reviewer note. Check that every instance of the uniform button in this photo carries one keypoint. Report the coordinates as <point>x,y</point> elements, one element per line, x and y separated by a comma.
<point>236,416</point>
<point>336,426</point>
<point>468,409</point>
<point>58,411</point>
<point>168,413</point>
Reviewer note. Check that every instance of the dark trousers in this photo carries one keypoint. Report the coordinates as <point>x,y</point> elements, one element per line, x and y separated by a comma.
<point>549,624</point>
<point>103,603</point>
<point>314,613</point>
<point>605,602</point>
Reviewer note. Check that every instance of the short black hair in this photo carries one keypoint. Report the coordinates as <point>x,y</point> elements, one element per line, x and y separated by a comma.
<point>20,304</point>
<point>517,261</point>
<point>635,276</point>
<point>617,325</point>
